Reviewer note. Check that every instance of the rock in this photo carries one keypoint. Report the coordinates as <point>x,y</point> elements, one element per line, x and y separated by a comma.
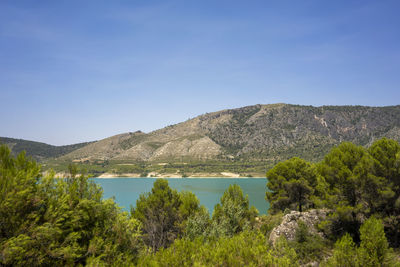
<point>289,224</point>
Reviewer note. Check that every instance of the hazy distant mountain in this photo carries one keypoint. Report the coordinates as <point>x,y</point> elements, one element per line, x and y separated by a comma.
<point>37,150</point>
<point>267,132</point>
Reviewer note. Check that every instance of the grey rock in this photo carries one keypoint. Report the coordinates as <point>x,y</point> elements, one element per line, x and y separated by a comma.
<point>289,224</point>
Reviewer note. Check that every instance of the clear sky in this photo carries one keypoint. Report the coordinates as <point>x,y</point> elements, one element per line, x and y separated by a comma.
<point>73,71</point>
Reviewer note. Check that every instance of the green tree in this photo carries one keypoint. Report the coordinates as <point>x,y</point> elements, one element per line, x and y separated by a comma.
<point>190,204</point>
<point>386,156</point>
<point>374,248</point>
<point>233,214</point>
<point>353,190</point>
<point>292,184</point>
<point>308,246</point>
<point>158,211</point>
<point>344,254</point>
<point>58,222</point>
<point>19,194</point>
<point>198,224</point>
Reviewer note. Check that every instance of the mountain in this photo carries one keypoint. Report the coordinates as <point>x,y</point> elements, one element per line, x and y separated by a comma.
<point>37,150</point>
<point>260,132</point>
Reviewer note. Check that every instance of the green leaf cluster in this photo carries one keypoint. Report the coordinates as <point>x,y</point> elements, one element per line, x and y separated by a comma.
<point>58,222</point>
<point>309,246</point>
<point>163,213</point>
<point>248,248</point>
<point>373,249</point>
<point>233,214</point>
<point>292,183</point>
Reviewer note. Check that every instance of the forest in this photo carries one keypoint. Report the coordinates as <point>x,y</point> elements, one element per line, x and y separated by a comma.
<point>48,221</point>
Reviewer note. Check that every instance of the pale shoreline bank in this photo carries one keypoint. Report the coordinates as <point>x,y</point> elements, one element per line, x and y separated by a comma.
<point>175,175</point>
<point>197,177</point>
<point>221,175</point>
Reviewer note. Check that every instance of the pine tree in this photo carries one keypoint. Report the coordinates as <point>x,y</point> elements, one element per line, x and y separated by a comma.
<point>292,184</point>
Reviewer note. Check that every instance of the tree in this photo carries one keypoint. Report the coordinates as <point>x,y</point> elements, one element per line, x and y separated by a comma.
<point>386,156</point>
<point>19,193</point>
<point>233,214</point>
<point>58,222</point>
<point>158,211</point>
<point>308,246</point>
<point>292,184</point>
<point>190,204</point>
<point>198,224</point>
<point>386,161</point>
<point>373,250</point>
<point>344,254</point>
<point>163,213</point>
<point>353,190</point>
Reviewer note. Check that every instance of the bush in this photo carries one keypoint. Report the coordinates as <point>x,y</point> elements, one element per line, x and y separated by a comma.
<point>308,246</point>
<point>248,248</point>
<point>163,213</point>
<point>373,250</point>
<point>58,222</point>
<point>233,214</point>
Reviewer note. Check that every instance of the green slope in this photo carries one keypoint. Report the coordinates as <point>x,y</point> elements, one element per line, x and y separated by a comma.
<point>37,150</point>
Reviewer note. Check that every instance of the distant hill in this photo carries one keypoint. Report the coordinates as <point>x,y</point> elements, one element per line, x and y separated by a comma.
<point>260,132</point>
<point>37,150</point>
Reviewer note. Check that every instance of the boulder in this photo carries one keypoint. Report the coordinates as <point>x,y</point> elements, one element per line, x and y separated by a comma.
<point>289,224</point>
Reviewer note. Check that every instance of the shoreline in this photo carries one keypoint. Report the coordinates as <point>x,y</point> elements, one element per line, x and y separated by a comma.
<point>219,175</point>
<point>197,177</point>
<point>222,175</point>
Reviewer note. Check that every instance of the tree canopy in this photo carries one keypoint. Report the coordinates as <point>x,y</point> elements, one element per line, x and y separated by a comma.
<point>292,184</point>
<point>163,212</point>
<point>58,222</point>
<point>233,214</point>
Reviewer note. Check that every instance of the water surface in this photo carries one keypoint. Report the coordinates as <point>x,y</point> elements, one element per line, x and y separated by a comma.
<point>208,190</point>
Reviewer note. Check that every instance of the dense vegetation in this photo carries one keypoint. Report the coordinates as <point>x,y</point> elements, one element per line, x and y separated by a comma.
<point>58,222</point>
<point>353,182</point>
<point>38,150</point>
<point>185,168</point>
<point>55,222</point>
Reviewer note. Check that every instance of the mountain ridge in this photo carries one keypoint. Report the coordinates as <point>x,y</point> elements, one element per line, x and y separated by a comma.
<point>267,132</point>
<point>39,150</point>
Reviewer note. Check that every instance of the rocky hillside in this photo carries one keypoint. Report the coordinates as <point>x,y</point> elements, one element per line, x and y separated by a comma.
<point>37,150</point>
<point>260,132</point>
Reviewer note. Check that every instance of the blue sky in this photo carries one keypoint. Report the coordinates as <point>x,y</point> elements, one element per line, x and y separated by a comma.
<point>73,71</point>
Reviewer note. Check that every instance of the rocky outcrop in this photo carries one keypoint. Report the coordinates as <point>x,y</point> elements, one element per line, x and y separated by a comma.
<point>289,224</point>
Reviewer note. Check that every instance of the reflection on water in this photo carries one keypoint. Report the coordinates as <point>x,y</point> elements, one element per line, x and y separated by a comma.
<point>209,190</point>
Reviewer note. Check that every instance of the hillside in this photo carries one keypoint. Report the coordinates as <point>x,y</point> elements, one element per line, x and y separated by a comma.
<point>37,150</point>
<point>260,132</point>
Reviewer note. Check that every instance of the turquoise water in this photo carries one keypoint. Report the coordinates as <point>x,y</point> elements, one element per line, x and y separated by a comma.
<point>209,190</point>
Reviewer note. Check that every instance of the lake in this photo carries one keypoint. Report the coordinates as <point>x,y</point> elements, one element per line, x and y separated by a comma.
<point>208,190</point>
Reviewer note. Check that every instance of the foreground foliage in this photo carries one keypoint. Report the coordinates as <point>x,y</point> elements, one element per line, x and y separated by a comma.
<point>291,183</point>
<point>163,213</point>
<point>55,222</point>
<point>373,249</point>
<point>248,248</point>
<point>353,182</point>
<point>65,222</point>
